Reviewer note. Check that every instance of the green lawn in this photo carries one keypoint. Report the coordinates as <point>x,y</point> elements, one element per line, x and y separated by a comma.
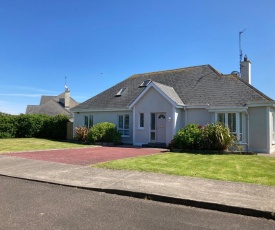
<point>28,144</point>
<point>238,168</point>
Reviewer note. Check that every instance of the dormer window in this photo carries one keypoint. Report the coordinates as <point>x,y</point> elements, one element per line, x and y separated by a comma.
<point>145,83</point>
<point>120,92</point>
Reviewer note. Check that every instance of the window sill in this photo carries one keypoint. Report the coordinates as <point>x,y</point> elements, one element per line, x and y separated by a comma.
<point>141,128</point>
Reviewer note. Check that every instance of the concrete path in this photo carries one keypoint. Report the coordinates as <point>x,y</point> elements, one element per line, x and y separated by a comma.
<point>240,198</point>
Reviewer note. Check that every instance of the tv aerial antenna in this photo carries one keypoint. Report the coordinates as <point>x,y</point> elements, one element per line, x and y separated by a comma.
<point>240,47</point>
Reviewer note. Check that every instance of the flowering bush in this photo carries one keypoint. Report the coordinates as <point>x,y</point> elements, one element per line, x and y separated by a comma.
<point>81,133</point>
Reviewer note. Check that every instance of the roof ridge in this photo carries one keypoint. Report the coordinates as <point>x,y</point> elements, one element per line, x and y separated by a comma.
<point>170,70</point>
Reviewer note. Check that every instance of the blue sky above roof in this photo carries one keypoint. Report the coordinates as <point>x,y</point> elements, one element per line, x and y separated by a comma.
<point>97,44</point>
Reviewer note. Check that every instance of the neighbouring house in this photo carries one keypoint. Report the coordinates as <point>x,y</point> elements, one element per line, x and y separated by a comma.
<point>54,105</point>
<point>152,107</point>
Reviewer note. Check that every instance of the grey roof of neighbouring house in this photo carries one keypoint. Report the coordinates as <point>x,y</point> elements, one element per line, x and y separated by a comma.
<point>198,85</point>
<point>51,105</point>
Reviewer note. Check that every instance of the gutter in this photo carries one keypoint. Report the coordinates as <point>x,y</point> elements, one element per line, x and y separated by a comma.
<point>100,110</point>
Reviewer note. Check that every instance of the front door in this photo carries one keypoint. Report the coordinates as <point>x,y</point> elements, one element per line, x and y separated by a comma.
<point>158,128</point>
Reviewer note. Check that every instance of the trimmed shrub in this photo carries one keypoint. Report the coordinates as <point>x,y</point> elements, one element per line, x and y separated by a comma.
<point>210,137</point>
<point>104,132</point>
<point>29,125</point>
<point>57,127</point>
<point>188,137</point>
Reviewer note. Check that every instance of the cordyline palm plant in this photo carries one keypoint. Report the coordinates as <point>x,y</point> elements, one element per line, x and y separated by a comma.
<point>217,137</point>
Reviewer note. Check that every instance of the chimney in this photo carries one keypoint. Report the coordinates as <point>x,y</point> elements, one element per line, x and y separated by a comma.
<point>67,98</point>
<point>245,67</point>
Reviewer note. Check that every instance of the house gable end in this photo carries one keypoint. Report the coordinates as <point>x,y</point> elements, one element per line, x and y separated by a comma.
<point>167,92</point>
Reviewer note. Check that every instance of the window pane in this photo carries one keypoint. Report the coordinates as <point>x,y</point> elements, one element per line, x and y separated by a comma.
<point>221,118</point>
<point>141,120</point>
<point>153,136</point>
<point>240,137</point>
<point>126,122</point>
<point>153,122</point>
<point>120,121</point>
<point>126,132</point>
<point>86,124</point>
<point>91,122</point>
<point>232,122</point>
<point>241,127</point>
<point>241,123</point>
<point>120,131</point>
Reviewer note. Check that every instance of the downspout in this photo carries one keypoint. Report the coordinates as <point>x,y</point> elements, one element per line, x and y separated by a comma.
<point>185,122</point>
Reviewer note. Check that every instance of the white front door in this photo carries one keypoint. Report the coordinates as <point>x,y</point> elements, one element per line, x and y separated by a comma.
<point>158,128</point>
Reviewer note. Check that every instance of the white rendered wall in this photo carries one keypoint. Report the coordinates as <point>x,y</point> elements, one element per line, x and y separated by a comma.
<point>152,102</point>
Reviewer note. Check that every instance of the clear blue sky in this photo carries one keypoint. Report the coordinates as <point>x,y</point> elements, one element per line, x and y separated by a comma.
<point>98,43</point>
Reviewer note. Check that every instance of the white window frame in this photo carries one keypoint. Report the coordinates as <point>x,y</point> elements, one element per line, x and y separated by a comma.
<point>122,128</point>
<point>88,121</point>
<point>239,124</point>
<point>141,121</point>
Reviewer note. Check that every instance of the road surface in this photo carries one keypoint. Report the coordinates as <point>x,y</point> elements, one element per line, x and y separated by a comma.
<point>34,206</point>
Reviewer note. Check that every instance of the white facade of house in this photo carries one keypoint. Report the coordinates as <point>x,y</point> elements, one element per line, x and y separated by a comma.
<point>154,118</point>
<point>95,117</point>
<point>155,112</point>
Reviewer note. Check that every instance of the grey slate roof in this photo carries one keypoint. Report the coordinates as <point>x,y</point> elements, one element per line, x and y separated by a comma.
<point>198,85</point>
<point>51,105</point>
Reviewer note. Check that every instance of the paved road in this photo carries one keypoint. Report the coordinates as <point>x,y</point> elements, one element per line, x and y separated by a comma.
<point>33,205</point>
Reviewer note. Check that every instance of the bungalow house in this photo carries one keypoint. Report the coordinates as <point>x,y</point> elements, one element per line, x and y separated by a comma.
<point>152,107</point>
<point>54,105</point>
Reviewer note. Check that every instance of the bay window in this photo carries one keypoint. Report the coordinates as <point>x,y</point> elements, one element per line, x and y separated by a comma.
<point>234,121</point>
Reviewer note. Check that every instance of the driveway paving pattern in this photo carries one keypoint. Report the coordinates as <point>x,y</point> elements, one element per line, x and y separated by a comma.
<point>87,156</point>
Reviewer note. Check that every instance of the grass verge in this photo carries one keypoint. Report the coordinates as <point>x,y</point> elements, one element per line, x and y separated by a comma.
<point>237,168</point>
<point>29,144</point>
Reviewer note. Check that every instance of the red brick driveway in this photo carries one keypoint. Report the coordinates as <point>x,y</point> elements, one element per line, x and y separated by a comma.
<point>87,156</point>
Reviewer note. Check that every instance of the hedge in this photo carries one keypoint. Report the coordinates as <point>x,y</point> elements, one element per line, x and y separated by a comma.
<point>33,125</point>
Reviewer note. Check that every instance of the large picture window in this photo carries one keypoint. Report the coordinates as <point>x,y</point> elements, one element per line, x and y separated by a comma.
<point>234,121</point>
<point>124,125</point>
<point>88,121</point>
